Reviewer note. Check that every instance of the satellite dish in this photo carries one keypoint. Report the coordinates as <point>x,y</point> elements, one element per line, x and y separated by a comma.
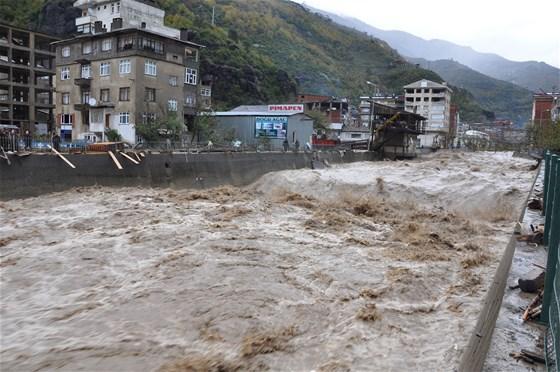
<point>92,101</point>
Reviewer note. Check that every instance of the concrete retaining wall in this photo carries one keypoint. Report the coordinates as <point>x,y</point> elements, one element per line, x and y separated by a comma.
<point>39,174</point>
<point>475,353</point>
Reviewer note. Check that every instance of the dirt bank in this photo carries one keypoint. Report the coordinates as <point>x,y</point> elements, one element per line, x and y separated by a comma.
<point>363,266</point>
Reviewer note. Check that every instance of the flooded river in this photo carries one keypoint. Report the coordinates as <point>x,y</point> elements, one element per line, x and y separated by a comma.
<point>365,266</point>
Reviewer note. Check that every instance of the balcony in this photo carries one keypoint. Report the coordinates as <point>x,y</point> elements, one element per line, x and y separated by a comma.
<point>81,107</point>
<point>85,20</point>
<point>96,127</point>
<point>83,82</point>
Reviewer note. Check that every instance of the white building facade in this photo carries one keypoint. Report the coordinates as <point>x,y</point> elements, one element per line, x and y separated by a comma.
<point>433,101</point>
<point>132,13</point>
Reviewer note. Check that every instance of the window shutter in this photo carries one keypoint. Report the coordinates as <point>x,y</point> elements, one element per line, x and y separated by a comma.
<point>59,118</point>
<point>72,119</point>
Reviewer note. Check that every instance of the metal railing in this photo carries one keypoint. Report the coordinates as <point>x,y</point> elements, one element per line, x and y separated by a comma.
<point>551,299</point>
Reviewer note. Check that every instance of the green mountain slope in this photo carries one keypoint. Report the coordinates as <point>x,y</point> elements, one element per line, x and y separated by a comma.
<point>263,51</point>
<point>531,75</point>
<point>506,99</point>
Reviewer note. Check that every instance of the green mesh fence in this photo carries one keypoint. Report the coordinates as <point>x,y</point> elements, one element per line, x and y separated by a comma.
<point>551,301</point>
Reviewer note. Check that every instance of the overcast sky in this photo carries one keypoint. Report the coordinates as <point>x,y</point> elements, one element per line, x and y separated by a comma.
<point>519,30</point>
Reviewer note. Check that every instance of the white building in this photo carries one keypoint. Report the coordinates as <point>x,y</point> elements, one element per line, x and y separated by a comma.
<point>99,15</point>
<point>433,101</point>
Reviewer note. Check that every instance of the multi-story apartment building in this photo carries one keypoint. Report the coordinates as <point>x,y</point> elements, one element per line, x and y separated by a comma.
<point>391,100</point>
<point>26,79</point>
<point>433,101</point>
<point>125,68</point>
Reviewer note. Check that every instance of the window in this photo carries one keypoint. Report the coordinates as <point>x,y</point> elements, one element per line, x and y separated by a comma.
<point>355,135</point>
<point>124,66</point>
<point>190,76</point>
<point>173,81</point>
<point>190,100</point>
<point>124,118</point>
<point>148,117</point>
<point>124,94</point>
<point>126,42</point>
<point>191,54</point>
<point>437,116</point>
<point>66,119</point>
<point>105,69</point>
<point>96,116</point>
<point>113,8</point>
<point>86,47</point>
<point>206,92</point>
<point>86,72</point>
<point>86,29</point>
<point>150,95</point>
<point>66,51</point>
<point>65,98</point>
<point>105,95</point>
<point>106,45</point>
<point>150,68</point>
<point>65,73</point>
<point>150,44</point>
<point>172,105</point>
<point>85,97</point>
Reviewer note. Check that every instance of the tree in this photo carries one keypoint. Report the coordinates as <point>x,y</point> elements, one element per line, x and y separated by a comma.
<point>204,127</point>
<point>112,135</point>
<point>171,126</point>
<point>319,119</point>
<point>545,135</point>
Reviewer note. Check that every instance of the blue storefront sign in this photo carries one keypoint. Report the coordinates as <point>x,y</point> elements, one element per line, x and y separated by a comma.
<point>271,126</point>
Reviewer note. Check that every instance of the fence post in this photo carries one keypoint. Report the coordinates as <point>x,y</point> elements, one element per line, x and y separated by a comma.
<point>553,224</point>
<point>546,175</point>
<point>549,196</point>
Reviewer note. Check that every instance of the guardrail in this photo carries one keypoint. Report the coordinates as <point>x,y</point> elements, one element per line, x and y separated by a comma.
<point>551,298</point>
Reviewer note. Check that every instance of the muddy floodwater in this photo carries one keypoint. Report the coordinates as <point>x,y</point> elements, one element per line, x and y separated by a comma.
<point>366,266</point>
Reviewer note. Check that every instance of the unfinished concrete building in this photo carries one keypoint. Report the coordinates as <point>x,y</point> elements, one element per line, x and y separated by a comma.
<point>125,68</point>
<point>26,80</point>
<point>433,101</point>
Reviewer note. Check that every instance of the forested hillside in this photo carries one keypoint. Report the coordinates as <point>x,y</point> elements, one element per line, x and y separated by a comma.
<point>506,99</point>
<point>263,51</point>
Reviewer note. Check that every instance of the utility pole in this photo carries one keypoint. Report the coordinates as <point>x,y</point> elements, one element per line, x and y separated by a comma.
<point>370,143</point>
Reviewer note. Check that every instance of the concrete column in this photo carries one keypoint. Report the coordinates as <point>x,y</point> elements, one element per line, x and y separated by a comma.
<point>31,123</point>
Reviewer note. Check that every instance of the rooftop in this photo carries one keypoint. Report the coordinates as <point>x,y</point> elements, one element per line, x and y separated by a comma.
<point>424,83</point>
<point>124,30</point>
<point>255,113</point>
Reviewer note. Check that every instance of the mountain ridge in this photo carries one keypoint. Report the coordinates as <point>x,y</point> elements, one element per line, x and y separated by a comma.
<point>532,75</point>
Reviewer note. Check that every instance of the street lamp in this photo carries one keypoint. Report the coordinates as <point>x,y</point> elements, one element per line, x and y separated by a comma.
<point>371,108</point>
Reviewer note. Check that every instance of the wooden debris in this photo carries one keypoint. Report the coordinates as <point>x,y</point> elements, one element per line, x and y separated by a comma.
<point>534,356</point>
<point>5,156</point>
<point>128,157</point>
<point>115,160</point>
<point>62,157</point>
<point>537,237</point>
<point>528,356</point>
<point>534,309</point>
<point>136,155</point>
